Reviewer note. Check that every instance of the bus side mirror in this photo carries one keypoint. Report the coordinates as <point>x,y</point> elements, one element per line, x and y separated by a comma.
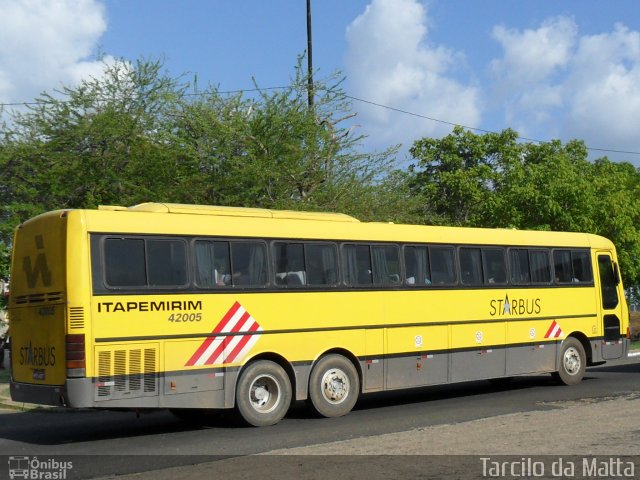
<point>616,274</point>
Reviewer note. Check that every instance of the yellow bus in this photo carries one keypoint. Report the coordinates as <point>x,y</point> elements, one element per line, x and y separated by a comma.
<point>200,307</point>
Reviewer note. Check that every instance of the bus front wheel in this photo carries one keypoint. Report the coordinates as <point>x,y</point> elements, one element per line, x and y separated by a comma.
<point>263,393</point>
<point>334,386</point>
<point>572,362</point>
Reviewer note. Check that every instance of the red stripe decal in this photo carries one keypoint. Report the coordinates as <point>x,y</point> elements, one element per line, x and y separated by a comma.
<point>553,325</point>
<point>220,348</point>
<point>245,339</point>
<point>209,340</point>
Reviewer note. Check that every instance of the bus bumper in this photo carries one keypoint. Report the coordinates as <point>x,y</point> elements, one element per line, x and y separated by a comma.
<point>38,394</point>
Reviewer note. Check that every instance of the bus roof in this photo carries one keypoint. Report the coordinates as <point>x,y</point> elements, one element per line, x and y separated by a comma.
<point>203,220</point>
<point>232,211</point>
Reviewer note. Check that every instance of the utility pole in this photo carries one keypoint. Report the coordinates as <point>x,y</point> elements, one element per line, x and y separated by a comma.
<point>309,57</point>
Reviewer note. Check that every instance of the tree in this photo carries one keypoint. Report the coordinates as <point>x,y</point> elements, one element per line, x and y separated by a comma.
<point>102,142</point>
<point>616,212</point>
<point>457,176</point>
<point>491,180</point>
<point>136,134</point>
<point>545,188</point>
<point>274,151</point>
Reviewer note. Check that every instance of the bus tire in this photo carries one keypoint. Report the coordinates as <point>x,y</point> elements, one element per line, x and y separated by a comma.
<point>334,386</point>
<point>573,361</point>
<point>263,393</point>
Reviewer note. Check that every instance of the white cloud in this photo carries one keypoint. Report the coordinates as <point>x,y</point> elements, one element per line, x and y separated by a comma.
<point>603,90</point>
<point>390,62</point>
<point>47,43</point>
<point>532,55</point>
<point>554,81</point>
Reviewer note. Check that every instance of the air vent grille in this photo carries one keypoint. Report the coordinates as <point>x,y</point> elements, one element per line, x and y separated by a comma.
<point>76,318</point>
<point>36,298</point>
<point>127,372</point>
<point>104,374</point>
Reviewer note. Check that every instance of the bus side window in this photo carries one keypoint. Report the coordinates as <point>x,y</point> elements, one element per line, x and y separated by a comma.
<point>495,266</point>
<point>386,264</point>
<point>581,263</point>
<point>540,268</point>
<point>519,258</point>
<point>124,261</point>
<point>213,264</point>
<point>470,266</point>
<point>249,264</point>
<point>289,264</point>
<point>418,270</point>
<point>321,264</point>
<point>166,262</point>
<point>357,265</point>
<point>442,265</point>
<point>562,266</point>
<point>572,266</point>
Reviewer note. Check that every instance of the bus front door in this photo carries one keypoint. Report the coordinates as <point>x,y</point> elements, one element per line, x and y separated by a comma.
<point>611,303</point>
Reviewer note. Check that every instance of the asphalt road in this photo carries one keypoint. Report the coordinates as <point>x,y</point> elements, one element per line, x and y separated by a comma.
<point>121,442</point>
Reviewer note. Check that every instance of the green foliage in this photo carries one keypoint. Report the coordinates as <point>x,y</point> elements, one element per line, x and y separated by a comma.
<point>457,175</point>
<point>104,142</point>
<point>274,151</point>
<point>491,180</point>
<point>135,134</point>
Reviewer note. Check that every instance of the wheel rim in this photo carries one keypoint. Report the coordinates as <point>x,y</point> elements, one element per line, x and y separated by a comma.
<point>264,394</point>
<point>572,361</point>
<point>335,386</point>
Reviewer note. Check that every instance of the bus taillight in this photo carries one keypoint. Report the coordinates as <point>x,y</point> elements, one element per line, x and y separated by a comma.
<point>76,361</point>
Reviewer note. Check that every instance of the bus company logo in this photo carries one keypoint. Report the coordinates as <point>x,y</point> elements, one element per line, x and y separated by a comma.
<point>554,331</point>
<point>515,306</point>
<point>39,269</point>
<point>37,355</point>
<point>227,343</point>
<point>34,468</point>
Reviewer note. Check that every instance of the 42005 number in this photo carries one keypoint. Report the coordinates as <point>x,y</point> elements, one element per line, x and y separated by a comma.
<point>185,317</point>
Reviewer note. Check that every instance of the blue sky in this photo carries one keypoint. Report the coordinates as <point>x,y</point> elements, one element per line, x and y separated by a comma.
<point>547,68</point>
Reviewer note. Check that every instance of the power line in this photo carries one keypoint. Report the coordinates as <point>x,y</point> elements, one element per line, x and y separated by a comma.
<point>357,99</point>
<point>477,129</point>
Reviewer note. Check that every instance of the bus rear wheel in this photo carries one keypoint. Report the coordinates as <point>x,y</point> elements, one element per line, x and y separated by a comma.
<point>573,362</point>
<point>334,386</point>
<point>263,393</point>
